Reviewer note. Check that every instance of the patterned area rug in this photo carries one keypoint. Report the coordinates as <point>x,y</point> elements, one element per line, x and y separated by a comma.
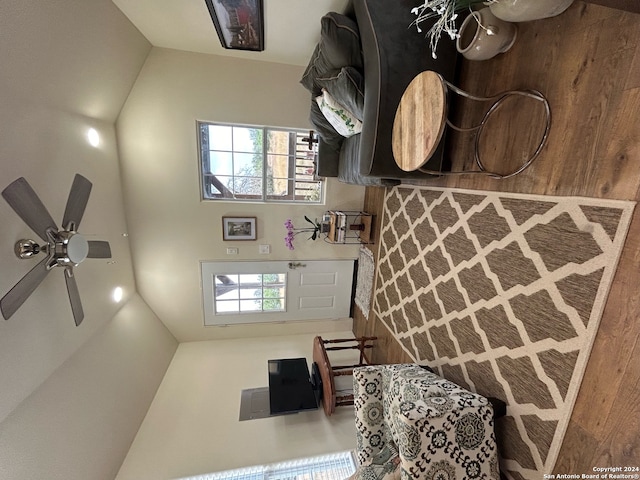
<point>364,281</point>
<point>502,294</point>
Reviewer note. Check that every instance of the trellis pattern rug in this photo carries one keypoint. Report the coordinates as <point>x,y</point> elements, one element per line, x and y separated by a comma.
<point>364,281</point>
<point>501,293</point>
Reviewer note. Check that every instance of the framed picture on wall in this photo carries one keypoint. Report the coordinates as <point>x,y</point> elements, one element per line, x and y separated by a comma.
<point>239,23</point>
<point>238,228</point>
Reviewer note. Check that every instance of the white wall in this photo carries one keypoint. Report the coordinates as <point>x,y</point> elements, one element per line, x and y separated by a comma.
<point>171,228</point>
<point>80,422</point>
<point>192,426</point>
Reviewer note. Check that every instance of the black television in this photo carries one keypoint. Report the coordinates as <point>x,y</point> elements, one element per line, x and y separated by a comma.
<point>290,386</point>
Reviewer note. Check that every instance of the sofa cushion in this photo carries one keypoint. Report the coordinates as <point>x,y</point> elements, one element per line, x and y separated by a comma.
<point>328,159</point>
<point>308,79</point>
<point>344,122</point>
<point>339,47</point>
<point>348,171</point>
<point>347,87</point>
<point>323,128</point>
<point>340,41</point>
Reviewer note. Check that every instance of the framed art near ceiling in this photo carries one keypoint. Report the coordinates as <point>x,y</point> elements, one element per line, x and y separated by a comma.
<point>239,23</point>
<point>238,228</point>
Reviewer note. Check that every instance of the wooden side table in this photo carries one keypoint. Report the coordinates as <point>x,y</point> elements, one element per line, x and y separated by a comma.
<point>327,372</point>
<point>349,227</point>
<point>421,118</point>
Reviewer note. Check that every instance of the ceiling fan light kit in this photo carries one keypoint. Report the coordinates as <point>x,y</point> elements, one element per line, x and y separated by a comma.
<point>64,247</point>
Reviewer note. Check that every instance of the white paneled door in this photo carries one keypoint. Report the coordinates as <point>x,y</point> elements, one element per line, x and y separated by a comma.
<point>255,292</point>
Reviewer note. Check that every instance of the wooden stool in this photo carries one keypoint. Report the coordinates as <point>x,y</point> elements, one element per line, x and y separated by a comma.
<point>327,372</point>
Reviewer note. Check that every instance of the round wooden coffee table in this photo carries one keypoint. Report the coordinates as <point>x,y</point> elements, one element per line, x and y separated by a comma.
<point>421,118</point>
<point>420,121</point>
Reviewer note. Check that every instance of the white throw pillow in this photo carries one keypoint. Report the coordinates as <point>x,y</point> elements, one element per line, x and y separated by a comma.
<point>345,122</point>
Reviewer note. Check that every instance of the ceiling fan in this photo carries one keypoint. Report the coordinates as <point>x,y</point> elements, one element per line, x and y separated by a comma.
<point>64,248</point>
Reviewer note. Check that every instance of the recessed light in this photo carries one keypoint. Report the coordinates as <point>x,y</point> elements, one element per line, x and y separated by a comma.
<point>118,293</point>
<point>94,137</point>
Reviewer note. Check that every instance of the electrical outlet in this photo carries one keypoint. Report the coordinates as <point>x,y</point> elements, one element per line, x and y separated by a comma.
<point>232,250</point>
<point>265,249</point>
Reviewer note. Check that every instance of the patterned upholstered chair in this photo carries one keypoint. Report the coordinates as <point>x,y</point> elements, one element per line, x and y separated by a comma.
<point>433,428</point>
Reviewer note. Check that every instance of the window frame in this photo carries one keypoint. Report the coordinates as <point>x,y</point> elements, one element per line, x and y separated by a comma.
<point>331,466</point>
<point>264,197</point>
<point>239,288</point>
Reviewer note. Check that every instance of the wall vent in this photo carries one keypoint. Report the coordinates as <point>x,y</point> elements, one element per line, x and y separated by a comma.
<point>254,403</point>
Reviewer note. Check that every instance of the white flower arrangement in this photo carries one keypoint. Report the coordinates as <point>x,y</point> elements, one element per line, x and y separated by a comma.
<point>446,13</point>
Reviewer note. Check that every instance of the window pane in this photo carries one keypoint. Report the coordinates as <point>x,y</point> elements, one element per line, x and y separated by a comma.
<point>274,278</point>
<point>277,175</point>
<point>250,305</point>
<point>279,164</point>
<point>225,292</point>
<point>310,191</point>
<point>278,142</point>
<point>304,169</point>
<point>273,305</point>
<point>277,188</point>
<point>226,278</point>
<point>250,292</point>
<point>220,137</point>
<point>247,139</point>
<point>247,164</point>
<point>221,163</point>
<point>273,293</point>
<point>226,287</point>
<point>248,186</point>
<point>254,278</point>
<point>210,188</point>
<point>227,306</point>
<point>222,185</point>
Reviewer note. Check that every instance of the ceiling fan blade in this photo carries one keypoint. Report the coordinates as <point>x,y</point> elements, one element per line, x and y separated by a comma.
<point>74,296</point>
<point>99,249</point>
<point>29,207</point>
<point>76,203</point>
<point>15,297</point>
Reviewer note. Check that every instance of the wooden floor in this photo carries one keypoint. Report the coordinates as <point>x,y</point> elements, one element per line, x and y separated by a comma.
<point>587,63</point>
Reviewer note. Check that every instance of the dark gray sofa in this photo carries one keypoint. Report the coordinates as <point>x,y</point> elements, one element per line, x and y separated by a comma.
<point>393,53</point>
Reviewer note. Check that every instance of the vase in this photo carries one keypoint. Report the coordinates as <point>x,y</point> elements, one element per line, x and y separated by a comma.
<point>527,10</point>
<point>483,36</point>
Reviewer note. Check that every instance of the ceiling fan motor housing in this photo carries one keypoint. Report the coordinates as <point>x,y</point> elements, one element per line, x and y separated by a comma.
<point>70,248</point>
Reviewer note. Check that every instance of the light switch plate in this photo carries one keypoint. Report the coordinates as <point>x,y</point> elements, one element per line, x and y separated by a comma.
<point>232,250</point>
<point>264,249</point>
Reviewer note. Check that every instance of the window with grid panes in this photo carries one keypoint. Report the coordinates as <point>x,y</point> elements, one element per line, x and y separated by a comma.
<point>337,466</point>
<point>255,292</point>
<point>265,164</point>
